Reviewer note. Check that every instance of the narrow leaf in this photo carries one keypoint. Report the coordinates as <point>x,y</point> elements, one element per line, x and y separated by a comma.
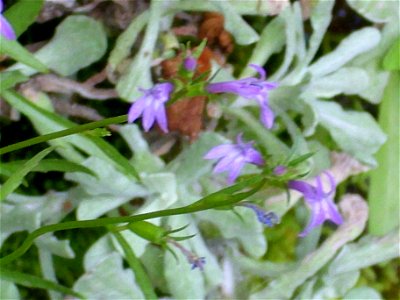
<point>20,54</point>
<point>384,191</point>
<point>9,79</point>
<point>36,282</point>
<point>16,179</point>
<point>22,14</point>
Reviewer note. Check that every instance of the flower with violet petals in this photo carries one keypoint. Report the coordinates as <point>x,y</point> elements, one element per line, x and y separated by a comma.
<point>279,170</point>
<point>190,63</point>
<point>151,106</point>
<point>268,218</point>
<point>233,157</point>
<point>321,203</point>
<point>250,88</point>
<point>5,28</point>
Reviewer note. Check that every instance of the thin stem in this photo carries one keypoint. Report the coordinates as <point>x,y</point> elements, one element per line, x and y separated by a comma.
<point>221,198</point>
<point>62,133</point>
<point>141,276</point>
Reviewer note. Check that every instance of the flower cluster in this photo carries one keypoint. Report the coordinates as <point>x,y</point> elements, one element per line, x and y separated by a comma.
<point>151,106</point>
<point>5,28</point>
<point>232,157</point>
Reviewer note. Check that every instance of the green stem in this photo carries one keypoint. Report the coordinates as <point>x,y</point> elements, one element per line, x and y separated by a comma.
<point>221,198</point>
<point>141,276</point>
<point>62,133</point>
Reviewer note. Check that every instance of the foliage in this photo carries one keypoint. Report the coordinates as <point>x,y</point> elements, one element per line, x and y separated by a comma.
<point>153,197</point>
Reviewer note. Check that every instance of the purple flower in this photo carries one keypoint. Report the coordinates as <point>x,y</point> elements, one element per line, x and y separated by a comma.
<point>233,157</point>
<point>279,170</point>
<point>321,202</point>
<point>193,259</point>
<point>152,106</point>
<point>250,88</point>
<point>268,218</point>
<point>197,262</point>
<point>5,28</point>
<point>190,63</point>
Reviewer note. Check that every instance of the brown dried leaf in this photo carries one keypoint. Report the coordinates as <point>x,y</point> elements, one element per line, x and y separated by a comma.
<point>186,116</point>
<point>212,28</point>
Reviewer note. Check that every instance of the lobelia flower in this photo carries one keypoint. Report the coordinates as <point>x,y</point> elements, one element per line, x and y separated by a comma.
<point>279,170</point>
<point>190,63</point>
<point>193,259</point>
<point>321,203</point>
<point>233,157</point>
<point>268,218</point>
<point>250,88</point>
<point>152,106</point>
<point>5,28</point>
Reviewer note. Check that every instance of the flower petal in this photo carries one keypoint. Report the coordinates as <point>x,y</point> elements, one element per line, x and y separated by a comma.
<point>161,118</point>
<point>331,212</point>
<point>136,110</point>
<point>303,187</point>
<point>6,30</point>
<point>149,116</point>
<point>225,163</point>
<point>260,71</point>
<point>219,151</point>
<point>254,157</point>
<point>236,167</point>
<point>267,116</point>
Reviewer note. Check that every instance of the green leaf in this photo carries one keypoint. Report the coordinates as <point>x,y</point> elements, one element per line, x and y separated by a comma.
<point>97,251</point>
<point>371,63</point>
<point>367,252</point>
<point>290,16</point>
<point>46,165</point>
<point>321,16</point>
<point>36,282</point>
<point>335,286</point>
<point>22,14</point>
<point>126,40</point>
<point>143,159</point>
<point>8,290</point>
<point>189,165</point>
<point>11,78</point>
<point>190,283</point>
<point>243,33</point>
<point>55,246</point>
<point>283,287</point>
<point>18,176</point>
<point>346,80</point>
<point>384,190</point>
<point>272,40</point>
<point>363,292</point>
<point>31,211</point>
<point>138,71</point>
<point>108,280</point>
<point>377,11</point>
<point>16,51</point>
<point>46,122</point>
<point>246,229</point>
<point>358,42</point>
<point>141,276</point>
<point>108,190</point>
<point>355,132</point>
<point>78,42</point>
<point>391,60</point>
